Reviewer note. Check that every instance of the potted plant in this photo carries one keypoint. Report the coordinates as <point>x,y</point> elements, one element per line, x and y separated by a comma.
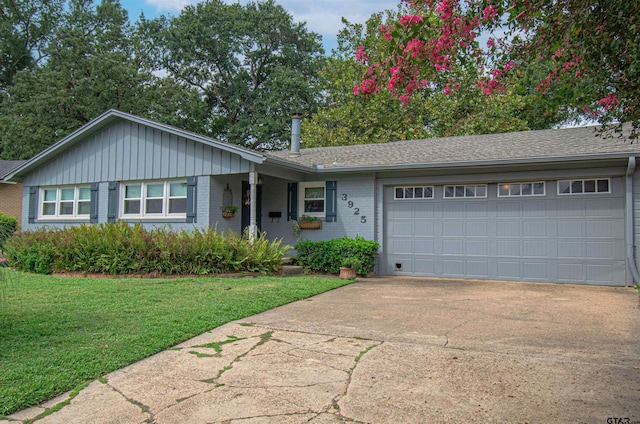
<point>307,222</point>
<point>350,266</point>
<point>229,211</point>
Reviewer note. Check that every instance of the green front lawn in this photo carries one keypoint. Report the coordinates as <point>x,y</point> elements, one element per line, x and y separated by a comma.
<point>59,332</point>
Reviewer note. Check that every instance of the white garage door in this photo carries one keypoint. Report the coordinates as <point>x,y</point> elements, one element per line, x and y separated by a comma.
<point>471,232</point>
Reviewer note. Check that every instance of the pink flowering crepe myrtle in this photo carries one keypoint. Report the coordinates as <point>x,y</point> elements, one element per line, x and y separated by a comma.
<point>428,41</point>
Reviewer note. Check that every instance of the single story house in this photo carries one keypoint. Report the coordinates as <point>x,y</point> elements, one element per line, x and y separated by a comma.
<point>550,206</point>
<point>10,192</point>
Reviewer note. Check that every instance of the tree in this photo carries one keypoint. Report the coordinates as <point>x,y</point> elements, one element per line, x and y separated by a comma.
<point>26,26</point>
<point>93,65</point>
<point>347,119</point>
<point>451,105</point>
<point>252,64</point>
<point>592,49</point>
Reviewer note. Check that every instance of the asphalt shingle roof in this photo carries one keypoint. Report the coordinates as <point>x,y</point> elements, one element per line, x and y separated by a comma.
<point>526,145</point>
<point>8,165</point>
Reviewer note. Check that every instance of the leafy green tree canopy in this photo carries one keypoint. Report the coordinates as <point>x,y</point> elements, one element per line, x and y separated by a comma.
<point>591,49</point>
<point>94,63</point>
<point>251,63</point>
<point>452,104</point>
<point>26,26</point>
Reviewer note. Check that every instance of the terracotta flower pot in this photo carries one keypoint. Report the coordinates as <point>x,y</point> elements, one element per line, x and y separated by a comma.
<point>228,215</point>
<point>347,272</point>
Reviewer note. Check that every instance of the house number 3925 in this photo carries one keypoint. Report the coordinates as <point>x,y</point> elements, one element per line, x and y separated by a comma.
<point>350,205</point>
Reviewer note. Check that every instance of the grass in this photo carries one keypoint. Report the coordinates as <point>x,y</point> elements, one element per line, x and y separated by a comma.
<point>57,333</point>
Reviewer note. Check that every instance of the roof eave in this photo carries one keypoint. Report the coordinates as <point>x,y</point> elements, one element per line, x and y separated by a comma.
<point>476,163</point>
<point>113,114</point>
<point>289,164</point>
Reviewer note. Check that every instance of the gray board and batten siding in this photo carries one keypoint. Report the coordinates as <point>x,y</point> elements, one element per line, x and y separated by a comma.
<point>129,151</point>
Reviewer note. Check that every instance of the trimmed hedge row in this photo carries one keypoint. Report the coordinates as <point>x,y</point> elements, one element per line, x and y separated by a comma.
<point>120,248</point>
<point>8,226</point>
<point>327,255</point>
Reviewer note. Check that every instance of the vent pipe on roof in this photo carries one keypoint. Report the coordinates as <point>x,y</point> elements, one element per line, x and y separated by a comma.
<point>296,118</point>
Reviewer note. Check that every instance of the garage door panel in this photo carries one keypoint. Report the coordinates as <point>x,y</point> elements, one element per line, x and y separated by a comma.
<point>570,228</point>
<point>535,271</point>
<point>476,210</point>
<point>508,248</point>
<point>452,228</point>
<point>508,209</point>
<point>476,248</point>
<point>605,273</point>
<point>508,228</point>
<point>424,228</point>
<point>571,249</point>
<point>423,210</point>
<point>534,228</point>
<point>599,250</point>
<point>574,239</point>
<point>453,246</point>
<point>399,211</point>
<point>475,228</point>
<point>477,269</point>
<point>599,208</point>
<point>569,207</point>
<point>453,209</point>
<point>509,270</point>
<point>537,248</point>
<point>402,247</point>
<point>402,229</point>
<point>571,272</point>
<point>599,228</point>
<point>424,266</point>
<point>535,208</point>
<point>423,247</point>
<point>453,267</point>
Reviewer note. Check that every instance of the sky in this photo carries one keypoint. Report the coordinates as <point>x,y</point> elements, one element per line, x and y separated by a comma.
<point>322,16</point>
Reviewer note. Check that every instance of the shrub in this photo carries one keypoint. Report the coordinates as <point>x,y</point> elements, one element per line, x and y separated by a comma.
<point>120,249</point>
<point>327,255</point>
<point>8,226</point>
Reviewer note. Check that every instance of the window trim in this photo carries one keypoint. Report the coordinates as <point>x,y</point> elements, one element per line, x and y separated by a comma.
<point>475,186</point>
<point>301,198</point>
<point>395,188</point>
<point>143,200</point>
<point>582,180</point>
<point>75,216</point>
<point>544,189</point>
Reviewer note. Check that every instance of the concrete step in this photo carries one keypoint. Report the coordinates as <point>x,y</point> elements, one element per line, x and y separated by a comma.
<point>286,260</point>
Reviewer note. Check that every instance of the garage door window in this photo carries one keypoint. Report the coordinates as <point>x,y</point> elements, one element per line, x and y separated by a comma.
<point>465,191</point>
<point>521,189</point>
<point>404,193</point>
<point>568,187</point>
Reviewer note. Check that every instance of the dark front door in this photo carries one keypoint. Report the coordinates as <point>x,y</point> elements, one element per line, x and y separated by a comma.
<point>246,206</point>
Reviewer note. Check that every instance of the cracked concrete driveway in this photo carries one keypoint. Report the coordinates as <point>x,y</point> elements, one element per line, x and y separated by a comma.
<point>393,350</point>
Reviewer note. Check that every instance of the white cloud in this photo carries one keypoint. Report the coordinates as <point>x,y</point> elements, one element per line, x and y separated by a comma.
<point>168,5</point>
<point>322,16</point>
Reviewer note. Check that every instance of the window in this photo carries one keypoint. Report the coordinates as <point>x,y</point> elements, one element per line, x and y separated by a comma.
<point>154,199</point>
<point>423,192</point>
<point>465,191</point>
<point>65,202</point>
<point>602,185</point>
<point>521,189</point>
<point>312,199</point>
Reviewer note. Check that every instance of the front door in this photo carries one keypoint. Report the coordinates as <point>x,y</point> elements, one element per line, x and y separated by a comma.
<point>246,205</point>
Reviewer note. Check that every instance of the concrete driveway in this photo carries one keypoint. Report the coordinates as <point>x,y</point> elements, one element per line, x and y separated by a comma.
<point>393,350</point>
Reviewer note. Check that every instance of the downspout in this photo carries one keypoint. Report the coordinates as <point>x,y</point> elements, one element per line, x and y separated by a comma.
<point>631,261</point>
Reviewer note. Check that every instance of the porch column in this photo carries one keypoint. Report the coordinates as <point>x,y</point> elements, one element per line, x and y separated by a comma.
<point>253,183</point>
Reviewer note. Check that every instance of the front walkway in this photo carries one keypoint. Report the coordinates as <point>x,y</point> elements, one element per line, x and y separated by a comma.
<point>393,350</point>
